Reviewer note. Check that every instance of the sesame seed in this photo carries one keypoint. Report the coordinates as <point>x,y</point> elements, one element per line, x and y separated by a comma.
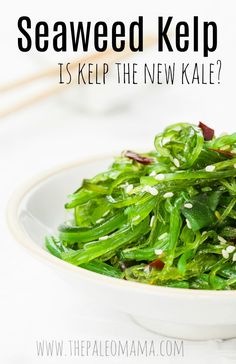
<point>234,257</point>
<point>225,254</point>
<point>152,220</point>
<point>230,249</point>
<point>168,195</point>
<point>221,239</point>
<point>103,237</point>
<point>176,162</point>
<point>98,221</point>
<point>163,236</point>
<point>147,269</point>
<point>136,218</point>
<point>129,188</point>
<point>158,251</point>
<point>152,190</point>
<point>152,174</point>
<point>204,233</point>
<point>106,213</point>
<point>235,165</point>
<point>111,199</point>
<point>160,177</point>
<point>188,224</point>
<point>210,168</point>
<point>188,205</point>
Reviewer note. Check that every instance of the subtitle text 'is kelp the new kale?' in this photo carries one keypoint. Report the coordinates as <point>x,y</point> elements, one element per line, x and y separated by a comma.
<point>165,218</point>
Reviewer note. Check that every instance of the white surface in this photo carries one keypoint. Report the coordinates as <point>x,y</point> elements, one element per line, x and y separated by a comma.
<point>36,303</point>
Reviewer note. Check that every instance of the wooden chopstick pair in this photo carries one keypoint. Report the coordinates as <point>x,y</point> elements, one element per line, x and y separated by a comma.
<point>109,57</point>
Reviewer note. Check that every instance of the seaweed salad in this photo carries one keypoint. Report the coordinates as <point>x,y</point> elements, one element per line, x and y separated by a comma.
<point>166,218</point>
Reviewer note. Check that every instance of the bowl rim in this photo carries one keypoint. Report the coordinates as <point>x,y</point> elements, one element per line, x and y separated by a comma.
<point>21,236</point>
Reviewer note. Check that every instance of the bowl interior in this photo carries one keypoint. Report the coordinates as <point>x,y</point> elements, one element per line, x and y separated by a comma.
<point>42,208</point>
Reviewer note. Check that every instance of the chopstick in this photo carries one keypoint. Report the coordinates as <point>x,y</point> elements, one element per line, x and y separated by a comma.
<point>53,71</point>
<point>108,57</point>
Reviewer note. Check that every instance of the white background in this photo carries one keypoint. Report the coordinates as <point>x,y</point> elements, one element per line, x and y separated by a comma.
<point>35,302</point>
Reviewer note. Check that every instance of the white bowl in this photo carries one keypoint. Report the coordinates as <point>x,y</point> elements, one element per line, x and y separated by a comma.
<point>36,210</point>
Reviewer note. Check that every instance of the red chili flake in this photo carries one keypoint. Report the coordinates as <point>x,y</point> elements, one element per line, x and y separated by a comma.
<point>207,132</point>
<point>137,157</point>
<point>226,153</point>
<point>157,264</point>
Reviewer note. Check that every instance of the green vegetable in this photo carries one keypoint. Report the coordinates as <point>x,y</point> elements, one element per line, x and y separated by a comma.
<point>165,218</point>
